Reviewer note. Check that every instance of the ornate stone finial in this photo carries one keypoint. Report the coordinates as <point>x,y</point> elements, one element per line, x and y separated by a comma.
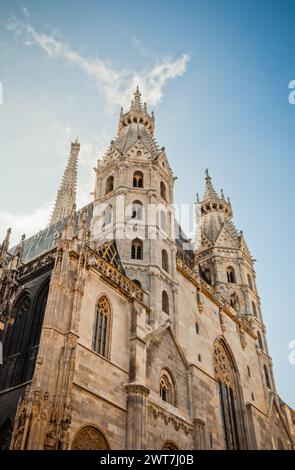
<point>210,193</point>
<point>5,245</point>
<point>136,101</point>
<point>66,195</point>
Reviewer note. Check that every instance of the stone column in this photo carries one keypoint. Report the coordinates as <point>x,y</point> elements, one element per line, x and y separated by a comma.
<point>199,434</point>
<point>136,432</point>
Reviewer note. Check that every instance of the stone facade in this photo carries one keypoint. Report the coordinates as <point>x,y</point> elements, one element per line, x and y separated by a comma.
<point>117,337</point>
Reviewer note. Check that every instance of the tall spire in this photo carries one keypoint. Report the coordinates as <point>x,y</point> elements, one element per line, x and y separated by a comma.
<point>5,245</point>
<point>66,196</point>
<point>210,193</point>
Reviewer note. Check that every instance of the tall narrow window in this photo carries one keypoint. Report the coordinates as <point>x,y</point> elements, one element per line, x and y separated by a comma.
<point>138,179</point>
<point>35,333</point>
<point>165,262</point>
<point>16,332</point>
<point>259,339</point>
<point>163,221</point>
<point>15,346</point>
<point>137,210</point>
<point>136,249</point>
<point>231,277</point>
<point>108,215</point>
<point>207,273</point>
<point>102,327</point>
<point>167,391</point>
<point>110,184</point>
<point>250,283</point>
<point>266,375</point>
<point>254,309</point>
<point>228,388</point>
<point>165,302</point>
<point>163,190</point>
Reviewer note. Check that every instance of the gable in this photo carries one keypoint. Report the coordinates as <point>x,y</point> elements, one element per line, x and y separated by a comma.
<point>225,238</point>
<point>278,425</point>
<point>138,151</point>
<point>163,353</point>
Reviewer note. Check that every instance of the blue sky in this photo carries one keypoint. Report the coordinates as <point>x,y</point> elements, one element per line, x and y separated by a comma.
<point>216,74</point>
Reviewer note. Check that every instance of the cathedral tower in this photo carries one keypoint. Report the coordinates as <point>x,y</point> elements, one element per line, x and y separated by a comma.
<point>226,264</point>
<point>133,200</point>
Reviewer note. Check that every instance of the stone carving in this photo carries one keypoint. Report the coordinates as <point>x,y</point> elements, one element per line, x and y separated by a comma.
<point>222,366</point>
<point>178,424</point>
<point>89,438</point>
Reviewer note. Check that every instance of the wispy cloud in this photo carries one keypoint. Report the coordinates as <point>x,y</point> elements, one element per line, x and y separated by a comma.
<point>28,223</point>
<point>116,85</point>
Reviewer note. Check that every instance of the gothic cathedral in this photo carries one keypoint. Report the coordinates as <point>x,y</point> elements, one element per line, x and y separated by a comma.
<point>118,332</point>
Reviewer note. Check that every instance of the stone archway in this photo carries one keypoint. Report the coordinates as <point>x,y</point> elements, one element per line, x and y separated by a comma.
<point>90,438</point>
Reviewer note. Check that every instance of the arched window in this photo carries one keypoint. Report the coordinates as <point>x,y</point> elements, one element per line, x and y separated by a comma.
<point>250,283</point>
<point>163,190</point>
<point>163,221</point>
<point>259,339</point>
<point>254,309</point>
<point>231,277</point>
<point>169,445</point>
<point>90,438</point>
<point>165,302</point>
<point>165,262</point>
<point>35,333</point>
<point>102,326</point>
<point>137,282</point>
<point>207,273</point>
<point>108,215</point>
<point>137,249</point>
<point>230,399</point>
<point>137,210</point>
<point>167,391</point>
<point>197,328</point>
<point>109,184</point>
<point>14,342</point>
<point>266,375</point>
<point>138,179</point>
